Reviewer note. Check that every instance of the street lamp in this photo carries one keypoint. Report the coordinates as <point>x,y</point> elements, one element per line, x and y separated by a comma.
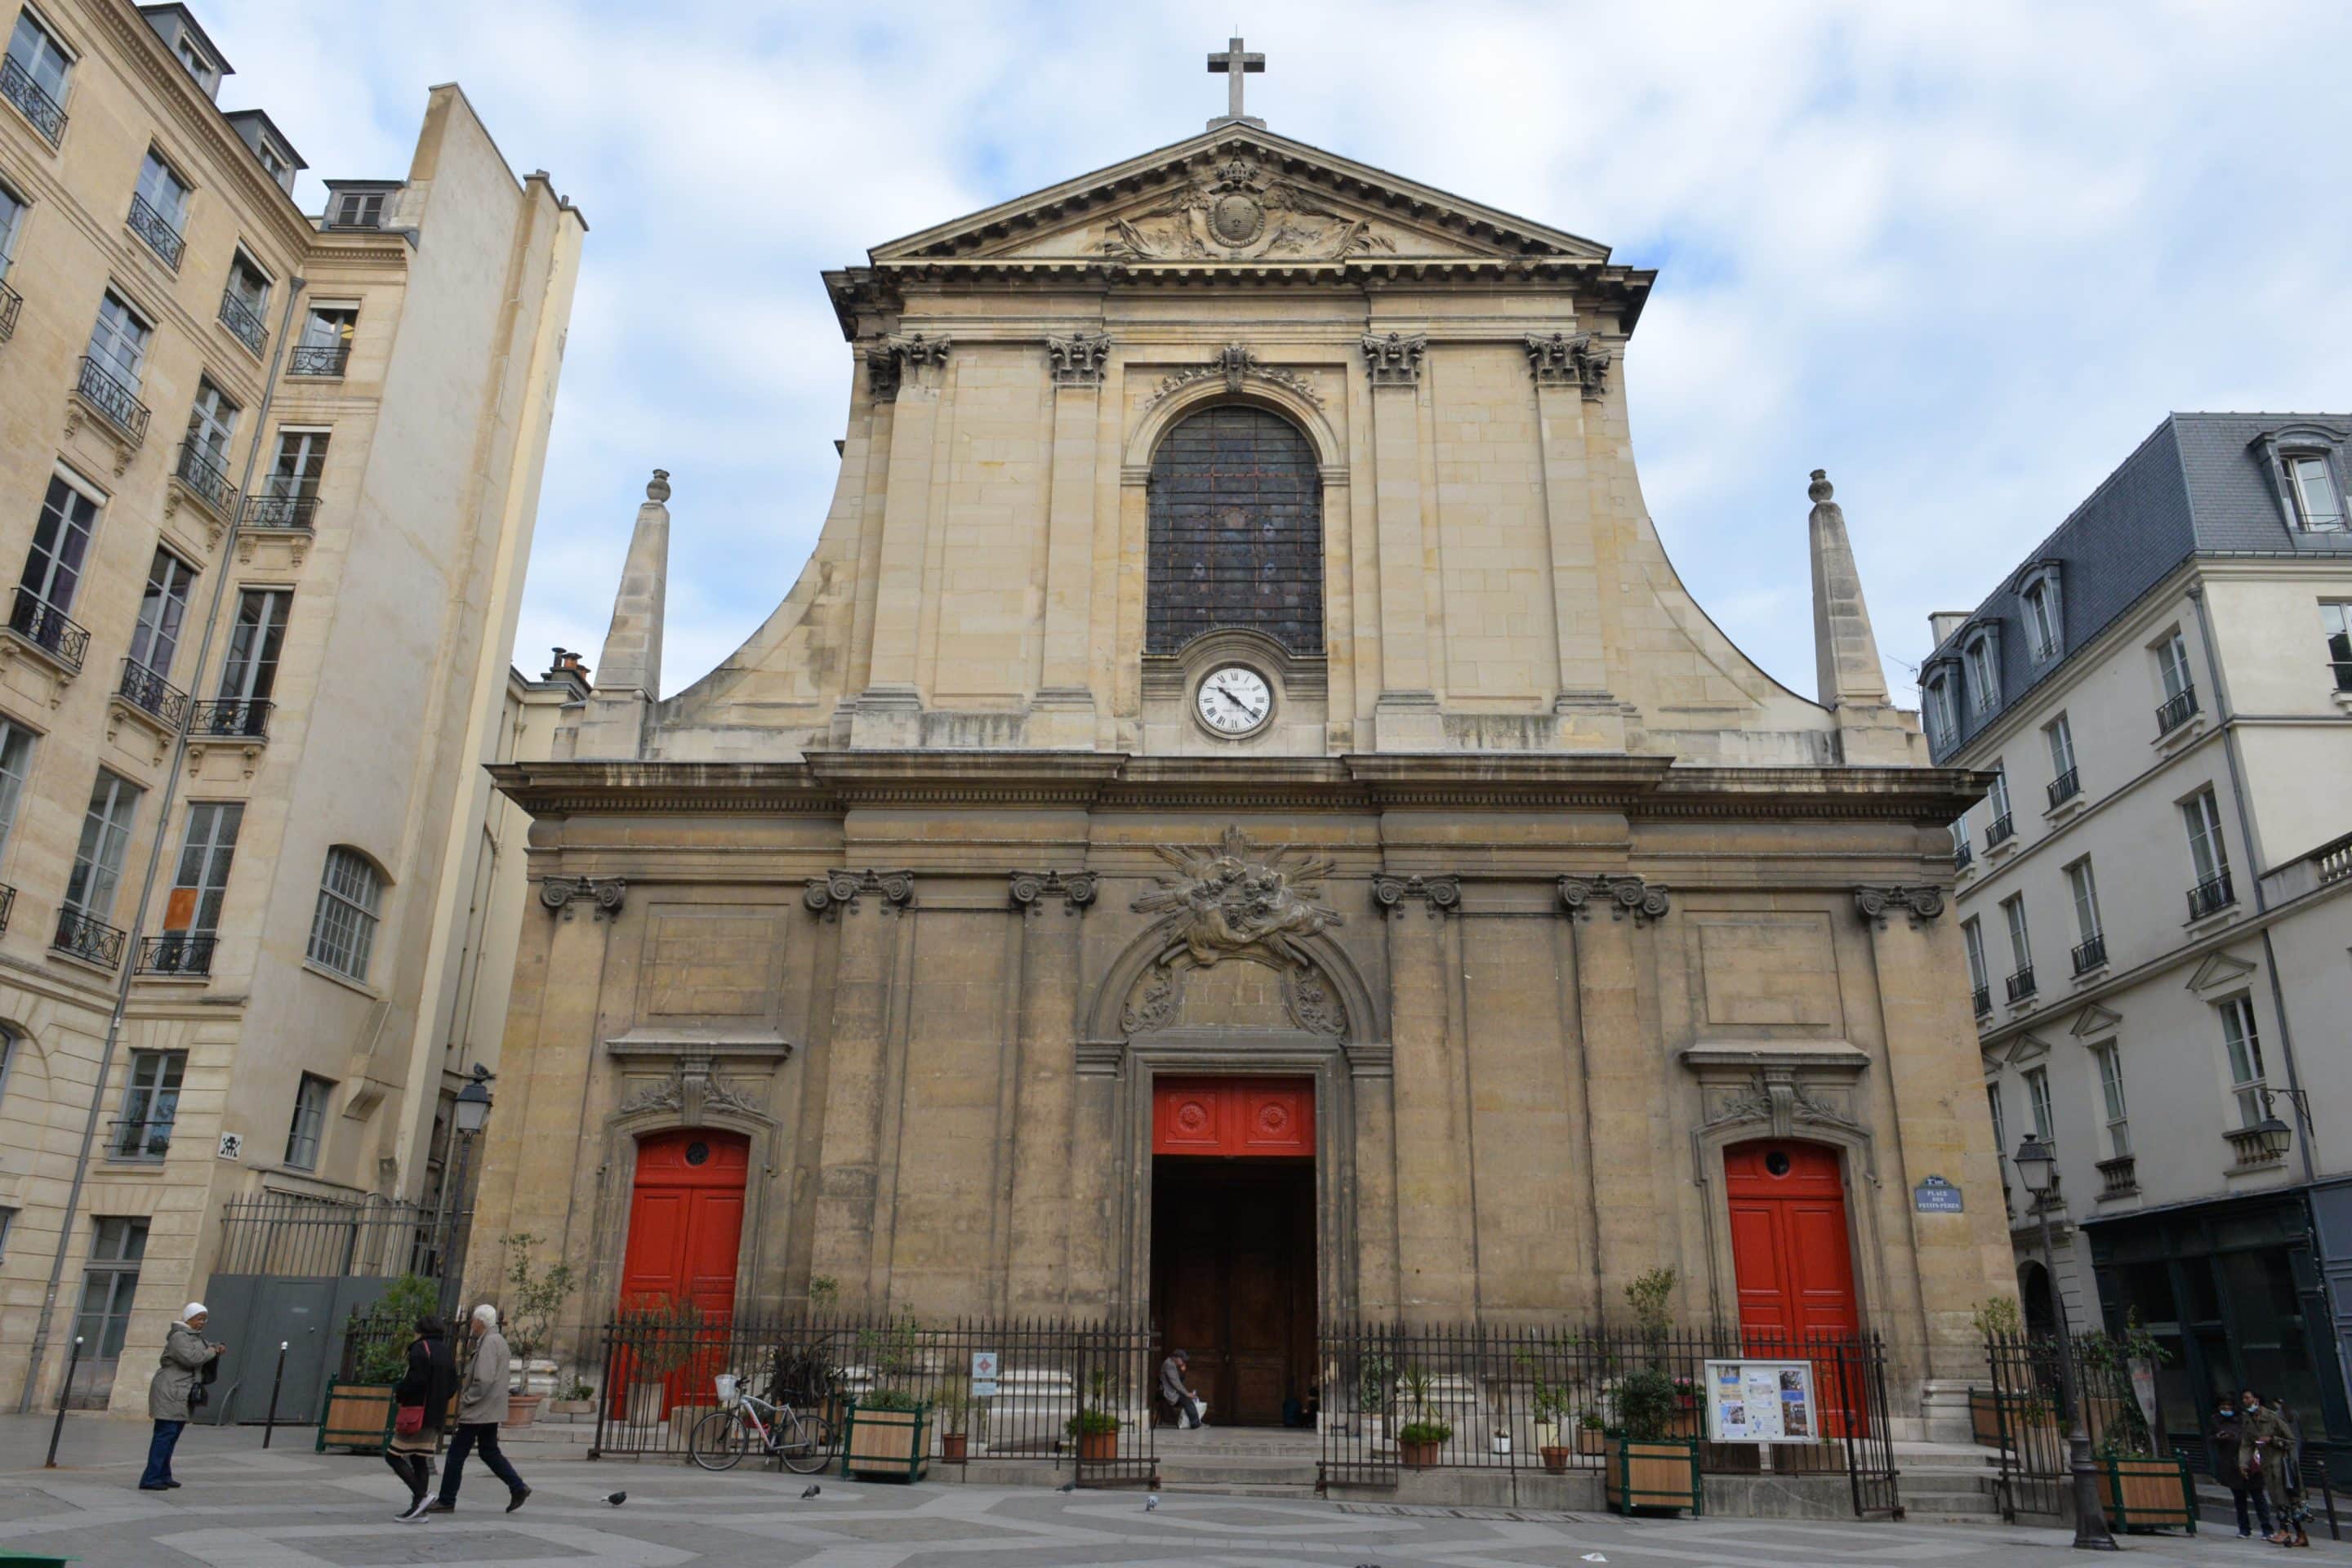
<point>472,1109</point>
<point>2037,1167</point>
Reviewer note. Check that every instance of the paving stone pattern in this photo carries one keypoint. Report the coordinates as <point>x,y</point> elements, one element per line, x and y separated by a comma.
<point>241,1507</point>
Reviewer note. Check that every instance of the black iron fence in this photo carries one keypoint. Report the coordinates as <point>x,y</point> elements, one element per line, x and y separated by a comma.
<point>1478,1397</point>
<point>1072,1393</point>
<point>315,1238</point>
<point>2027,1418</point>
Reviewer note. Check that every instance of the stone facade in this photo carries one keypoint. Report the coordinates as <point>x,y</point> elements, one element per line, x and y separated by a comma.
<point>401,565</point>
<point>1549,891</point>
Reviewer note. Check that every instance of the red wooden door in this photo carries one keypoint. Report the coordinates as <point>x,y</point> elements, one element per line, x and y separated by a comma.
<point>1791,1260</point>
<point>686,1226</point>
<point>1257,1116</point>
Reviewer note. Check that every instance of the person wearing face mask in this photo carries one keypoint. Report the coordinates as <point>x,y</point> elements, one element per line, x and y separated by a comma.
<point>2266,1454</point>
<point>2227,1430</point>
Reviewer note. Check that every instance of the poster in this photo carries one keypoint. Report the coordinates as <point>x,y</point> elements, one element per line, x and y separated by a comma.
<point>983,1374</point>
<point>1761,1402</point>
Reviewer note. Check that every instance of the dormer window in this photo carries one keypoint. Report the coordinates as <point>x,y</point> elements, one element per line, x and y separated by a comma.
<point>359,208</point>
<point>1983,659</point>
<point>176,25</point>
<point>2311,487</point>
<point>2045,634</point>
<point>1943,712</point>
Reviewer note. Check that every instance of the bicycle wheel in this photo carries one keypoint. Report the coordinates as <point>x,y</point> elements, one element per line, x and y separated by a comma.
<point>719,1440</point>
<point>804,1443</point>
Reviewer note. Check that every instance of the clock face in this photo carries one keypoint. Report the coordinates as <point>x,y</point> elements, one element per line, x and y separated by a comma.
<point>1234,699</point>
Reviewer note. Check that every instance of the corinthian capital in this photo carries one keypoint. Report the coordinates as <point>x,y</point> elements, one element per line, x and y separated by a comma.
<point>1570,359</point>
<point>1078,360</point>
<point>1394,360</point>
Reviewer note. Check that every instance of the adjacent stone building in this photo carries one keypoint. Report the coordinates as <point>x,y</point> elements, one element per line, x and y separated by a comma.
<point>269,479</point>
<point>2156,900</point>
<point>1238,820</point>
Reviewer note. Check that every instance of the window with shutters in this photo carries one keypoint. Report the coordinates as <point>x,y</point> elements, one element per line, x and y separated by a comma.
<point>1236,533</point>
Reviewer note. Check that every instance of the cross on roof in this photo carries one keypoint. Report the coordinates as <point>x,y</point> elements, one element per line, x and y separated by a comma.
<point>1236,62</point>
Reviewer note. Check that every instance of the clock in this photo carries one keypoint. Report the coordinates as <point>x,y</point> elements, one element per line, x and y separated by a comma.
<point>1233,700</point>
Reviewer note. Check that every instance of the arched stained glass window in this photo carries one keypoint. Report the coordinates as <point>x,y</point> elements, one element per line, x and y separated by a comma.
<point>1237,534</point>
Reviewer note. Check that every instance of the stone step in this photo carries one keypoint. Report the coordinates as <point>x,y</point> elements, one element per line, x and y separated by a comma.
<point>1305,1491</point>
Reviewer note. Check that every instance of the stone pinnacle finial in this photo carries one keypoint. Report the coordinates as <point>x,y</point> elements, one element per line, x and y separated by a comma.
<point>1820,490</point>
<point>657,489</point>
<point>1845,651</point>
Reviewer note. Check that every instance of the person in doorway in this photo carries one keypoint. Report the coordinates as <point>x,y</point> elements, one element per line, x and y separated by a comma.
<point>1177,1392</point>
<point>420,1405</point>
<point>187,1356</point>
<point>2244,1490</point>
<point>481,1405</point>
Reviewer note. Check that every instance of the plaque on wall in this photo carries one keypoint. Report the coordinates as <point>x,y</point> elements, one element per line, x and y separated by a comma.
<point>1935,1195</point>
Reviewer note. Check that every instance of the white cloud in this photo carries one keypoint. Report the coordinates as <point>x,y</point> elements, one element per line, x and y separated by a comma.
<point>1964,256</point>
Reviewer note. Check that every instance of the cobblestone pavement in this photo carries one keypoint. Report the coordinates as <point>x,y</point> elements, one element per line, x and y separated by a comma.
<point>287,1508</point>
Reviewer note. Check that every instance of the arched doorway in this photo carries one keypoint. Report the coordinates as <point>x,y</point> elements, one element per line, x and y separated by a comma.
<point>686,1229</point>
<point>1790,1247</point>
<point>1236,532</point>
<point>2033,1291</point>
<point>1232,1238</point>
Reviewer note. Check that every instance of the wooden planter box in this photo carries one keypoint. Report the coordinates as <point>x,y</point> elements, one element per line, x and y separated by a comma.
<point>2024,1419</point>
<point>1591,1440</point>
<point>357,1415</point>
<point>1659,1475</point>
<point>2148,1494</point>
<point>893,1444</point>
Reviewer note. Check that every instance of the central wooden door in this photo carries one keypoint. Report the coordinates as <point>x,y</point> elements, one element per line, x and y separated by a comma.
<point>1792,1262</point>
<point>686,1231</point>
<point>1233,1238</point>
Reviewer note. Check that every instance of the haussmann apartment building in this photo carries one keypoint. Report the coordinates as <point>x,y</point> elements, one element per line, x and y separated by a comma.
<point>268,478</point>
<point>2154,901</point>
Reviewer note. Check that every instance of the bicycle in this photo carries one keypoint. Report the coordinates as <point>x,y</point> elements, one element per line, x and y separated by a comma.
<point>803,1441</point>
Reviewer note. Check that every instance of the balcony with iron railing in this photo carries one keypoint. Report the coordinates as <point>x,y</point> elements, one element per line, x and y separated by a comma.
<point>2210,896</point>
<point>2175,711</point>
<point>113,399</point>
<point>162,234</point>
<point>202,476</point>
<point>2021,985</point>
<point>2092,953</point>
<point>90,940</point>
<point>283,513</point>
<point>2000,831</point>
<point>243,322</point>
<point>177,952</point>
<point>2065,787</point>
<point>17,85</point>
<point>1981,997</point>
<point>45,626</point>
<point>152,695</point>
<point>139,1137</point>
<point>2250,1149</point>
<point>1962,856</point>
<point>230,719</point>
<point>7,904</point>
<point>322,359</point>
<point>12,305</point>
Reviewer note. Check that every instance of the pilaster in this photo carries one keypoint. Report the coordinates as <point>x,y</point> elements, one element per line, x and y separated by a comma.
<point>1625,1106</point>
<point>889,709</point>
<point>872,949</point>
<point>1406,717</point>
<point>1064,704</point>
<point>1045,1133</point>
<point>1437,1262</point>
<point>1568,371</point>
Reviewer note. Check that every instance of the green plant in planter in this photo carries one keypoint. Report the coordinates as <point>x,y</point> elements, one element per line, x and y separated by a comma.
<point>409,1297</point>
<point>1997,1317</point>
<point>2106,1361</point>
<point>534,1297</point>
<point>1432,1432</point>
<point>1649,1296</point>
<point>1375,1380</point>
<point>1425,1426</point>
<point>890,1357</point>
<point>1591,1421</point>
<point>1646,1405</point>
<point>577,1388</point>
<point>954,1404</point>
<point>1095,1419</point>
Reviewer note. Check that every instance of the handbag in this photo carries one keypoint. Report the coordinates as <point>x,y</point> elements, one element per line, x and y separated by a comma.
<point>408,1420</point>
<point>198,1396</point>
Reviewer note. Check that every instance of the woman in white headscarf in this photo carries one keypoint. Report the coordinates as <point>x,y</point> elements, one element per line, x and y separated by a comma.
<point>186,1355</point>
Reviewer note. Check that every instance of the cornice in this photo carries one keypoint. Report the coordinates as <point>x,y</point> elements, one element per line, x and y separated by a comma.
<point>829,782</point>
<point>140,47</point>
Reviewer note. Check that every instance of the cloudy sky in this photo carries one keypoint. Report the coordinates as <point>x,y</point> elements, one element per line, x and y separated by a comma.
<point>1964,256</point>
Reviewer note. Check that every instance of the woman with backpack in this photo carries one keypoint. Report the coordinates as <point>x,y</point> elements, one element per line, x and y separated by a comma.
<point>420,1405</point>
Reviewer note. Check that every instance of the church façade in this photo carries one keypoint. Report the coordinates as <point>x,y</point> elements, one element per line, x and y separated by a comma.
<point>1239,821</point>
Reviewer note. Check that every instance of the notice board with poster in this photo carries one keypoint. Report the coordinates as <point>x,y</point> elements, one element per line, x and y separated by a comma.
<point>1761,1402</point>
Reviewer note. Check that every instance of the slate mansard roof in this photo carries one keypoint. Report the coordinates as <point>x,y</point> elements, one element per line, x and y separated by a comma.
<point>2200,484</point>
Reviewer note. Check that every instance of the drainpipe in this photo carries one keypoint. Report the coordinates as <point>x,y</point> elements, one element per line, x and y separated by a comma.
<point>155,852</point>
<point>2254,851</point>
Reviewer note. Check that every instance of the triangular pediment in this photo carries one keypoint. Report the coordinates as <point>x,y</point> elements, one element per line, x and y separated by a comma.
<point>1238,196</point>
<point>2094,1020</point>
<point>2219,969</point>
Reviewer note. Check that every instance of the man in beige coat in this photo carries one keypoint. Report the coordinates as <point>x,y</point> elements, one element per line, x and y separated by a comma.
<point>481,1405</point>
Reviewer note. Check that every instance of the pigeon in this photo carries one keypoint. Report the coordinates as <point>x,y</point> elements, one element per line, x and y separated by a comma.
<point>1152,1503</point>
<point>1067,1486</point>
<point>616,1498</point>
<point>1594,1557</point>
<point>813,1489</point>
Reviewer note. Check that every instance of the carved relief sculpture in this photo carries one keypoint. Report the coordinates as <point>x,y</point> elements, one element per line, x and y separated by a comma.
<point>888,362</point>
<point>1394,360</point>
<point>1570,359</point>
<point>1078,360</point>
<point>1645,901</point>
<point>1220,903</point>
<point>1236,211</point>
<point>1237,364</point>
<point>1775,1097</point>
